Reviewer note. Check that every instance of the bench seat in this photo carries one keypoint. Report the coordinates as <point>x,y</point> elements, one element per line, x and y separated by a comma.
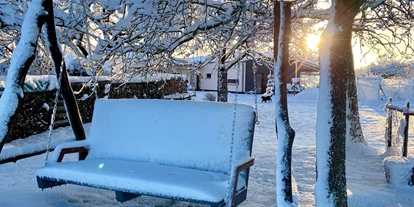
<point>141,178</point>
<point>180,150</point>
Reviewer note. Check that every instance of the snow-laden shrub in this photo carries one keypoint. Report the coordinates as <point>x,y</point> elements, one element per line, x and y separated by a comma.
<point>210,97</point>
<point>75,68</point>
<point>387,69</point>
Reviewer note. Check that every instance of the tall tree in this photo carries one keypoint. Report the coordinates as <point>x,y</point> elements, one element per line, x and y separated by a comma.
<point>380,25</point>
<point>353,124</point>
<point>374,24</point>
<point>39,13</point>
<point>69,99</point>
<point>22,58</point>
<point>222,89</point>
<point>285,133</point>
<point>336,60</point>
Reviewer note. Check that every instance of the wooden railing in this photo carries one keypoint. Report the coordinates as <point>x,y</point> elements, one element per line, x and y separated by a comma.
<point>406,112</point>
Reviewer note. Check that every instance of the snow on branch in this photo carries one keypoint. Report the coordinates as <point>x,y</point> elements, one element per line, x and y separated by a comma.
<point>23,56</point>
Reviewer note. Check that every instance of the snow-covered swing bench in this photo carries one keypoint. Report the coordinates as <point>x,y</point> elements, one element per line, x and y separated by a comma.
<point>180,150</point>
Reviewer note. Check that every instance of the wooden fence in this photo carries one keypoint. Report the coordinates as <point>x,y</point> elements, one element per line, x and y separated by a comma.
<point>406,112</point>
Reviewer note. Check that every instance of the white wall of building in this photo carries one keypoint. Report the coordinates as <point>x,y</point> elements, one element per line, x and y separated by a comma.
<point>208,83</point>
<point>232,74</point>
<point>208,80</point>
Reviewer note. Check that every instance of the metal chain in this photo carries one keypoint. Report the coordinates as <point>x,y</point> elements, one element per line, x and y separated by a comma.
<point>235,110</point>
<point>220,75</point>
<point>52,119</point>
<point>256,108</point>
<point>233,130</point>
<point>229,200</point>
<point>58,87</point>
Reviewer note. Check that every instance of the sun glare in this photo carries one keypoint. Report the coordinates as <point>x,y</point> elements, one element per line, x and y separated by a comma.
<point>312,41</point>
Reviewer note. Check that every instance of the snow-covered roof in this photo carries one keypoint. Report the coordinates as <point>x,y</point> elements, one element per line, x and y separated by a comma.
<point>305,65</point>
<point>200,59</point>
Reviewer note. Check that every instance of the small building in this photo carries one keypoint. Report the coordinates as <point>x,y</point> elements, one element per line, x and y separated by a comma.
<point>205,78</point>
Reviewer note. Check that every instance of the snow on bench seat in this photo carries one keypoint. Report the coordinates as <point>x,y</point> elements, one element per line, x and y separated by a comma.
<point>161,138</point>
<point>143,178</point>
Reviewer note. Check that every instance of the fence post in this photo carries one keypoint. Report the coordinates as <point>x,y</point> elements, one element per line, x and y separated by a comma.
<point>389,123</point>
<point>405,142</point>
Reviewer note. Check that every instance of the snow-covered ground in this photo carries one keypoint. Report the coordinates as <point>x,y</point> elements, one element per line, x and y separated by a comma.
<point>365,174</point>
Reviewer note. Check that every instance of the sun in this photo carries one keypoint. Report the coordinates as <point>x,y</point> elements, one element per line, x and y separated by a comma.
<point>312,41</point>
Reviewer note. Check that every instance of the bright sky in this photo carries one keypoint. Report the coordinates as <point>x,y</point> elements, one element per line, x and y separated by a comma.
<point>359,60</point>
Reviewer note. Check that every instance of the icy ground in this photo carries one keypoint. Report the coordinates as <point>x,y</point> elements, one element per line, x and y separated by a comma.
<point>366,181</point>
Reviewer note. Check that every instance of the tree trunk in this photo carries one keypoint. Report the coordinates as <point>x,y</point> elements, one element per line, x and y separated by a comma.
<point>354,129</point>
<point>22,58</point>
<point>222,90</point>
<point>336,60</point>
<point>69,98</point>
<point>285,133</point>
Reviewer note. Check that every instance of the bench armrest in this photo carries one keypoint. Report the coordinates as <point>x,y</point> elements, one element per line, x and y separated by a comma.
<point>68,148</point>
<point>239,169</point>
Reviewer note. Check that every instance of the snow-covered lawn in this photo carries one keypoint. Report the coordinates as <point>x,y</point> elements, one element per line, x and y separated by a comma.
<point>366,181</point>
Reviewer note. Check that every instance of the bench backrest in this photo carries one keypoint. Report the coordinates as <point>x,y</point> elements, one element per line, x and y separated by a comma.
<point>180,133</point>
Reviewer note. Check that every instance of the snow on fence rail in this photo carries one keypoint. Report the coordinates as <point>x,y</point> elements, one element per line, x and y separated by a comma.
<point>404,123</point>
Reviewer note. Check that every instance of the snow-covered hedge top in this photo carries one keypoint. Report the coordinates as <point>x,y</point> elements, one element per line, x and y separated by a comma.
<point>49,82</point>
<point>180,133</point>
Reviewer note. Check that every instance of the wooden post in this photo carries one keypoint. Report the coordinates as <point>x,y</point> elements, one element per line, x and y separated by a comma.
<point>389,123</point>
<point>405,141</point>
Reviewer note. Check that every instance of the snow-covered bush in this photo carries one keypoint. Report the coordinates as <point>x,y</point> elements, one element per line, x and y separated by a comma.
<point>75,68</point>
<point>388,69</point>
<point>210,97</point>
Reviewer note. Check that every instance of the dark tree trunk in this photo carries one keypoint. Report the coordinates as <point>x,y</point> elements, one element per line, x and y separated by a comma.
<point>71,105</point>
<point>331,133</point>
<point>285,133</point>
<point>80,45</point>
<point>354,131</point>
<point>336,61</point>
<point>222,90</point>
<point>19,67</point>
<point>14,90</point>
